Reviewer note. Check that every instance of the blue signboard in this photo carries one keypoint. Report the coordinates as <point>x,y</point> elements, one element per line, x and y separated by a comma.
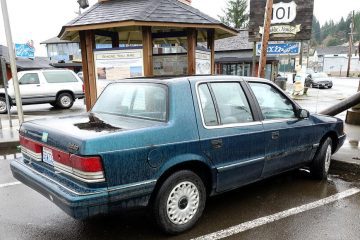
<point>24,51</point>
<point>292,48</point>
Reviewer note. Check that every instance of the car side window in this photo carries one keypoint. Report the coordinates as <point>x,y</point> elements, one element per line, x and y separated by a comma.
<point>232,103</point>
<point>207,106</point>
<point>29,78</point>
<point>273,104</point>
<point>59,76</point>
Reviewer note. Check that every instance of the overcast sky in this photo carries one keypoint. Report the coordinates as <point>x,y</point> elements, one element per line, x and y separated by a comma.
<point>40,20</point>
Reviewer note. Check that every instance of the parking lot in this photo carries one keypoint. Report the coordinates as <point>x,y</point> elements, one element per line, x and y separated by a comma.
<point>289,206</point>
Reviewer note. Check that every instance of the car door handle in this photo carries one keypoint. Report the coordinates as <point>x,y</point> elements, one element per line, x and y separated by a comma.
<point>275,135</point>
<point>38,85</point>
<point>216,144</point>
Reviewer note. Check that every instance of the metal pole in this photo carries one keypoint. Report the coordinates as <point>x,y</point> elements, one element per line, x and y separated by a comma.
<point>350,44</point>
<point>12,61</point>
<point>254,61</point>
<point>301,54</point>
<point>265,38</point>
<point>3,67</point>
<point>308,54</point>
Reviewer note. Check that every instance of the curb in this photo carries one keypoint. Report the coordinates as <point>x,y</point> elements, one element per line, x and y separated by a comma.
<point>345,166</point>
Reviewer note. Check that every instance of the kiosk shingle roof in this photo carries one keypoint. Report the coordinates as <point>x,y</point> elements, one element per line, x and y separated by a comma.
<point>142,10</point>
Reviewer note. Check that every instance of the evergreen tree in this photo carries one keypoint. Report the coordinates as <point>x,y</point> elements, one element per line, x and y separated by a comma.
<point>316,30</point>
<point>236,14</point>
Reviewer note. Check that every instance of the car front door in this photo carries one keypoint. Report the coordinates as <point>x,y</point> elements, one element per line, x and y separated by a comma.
<point>230,132</point>
<point>289,139</point>
<point>30,88</point>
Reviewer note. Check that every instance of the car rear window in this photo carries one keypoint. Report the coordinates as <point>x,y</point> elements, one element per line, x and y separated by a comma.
<point>137,100</point>
<point>60,77</point>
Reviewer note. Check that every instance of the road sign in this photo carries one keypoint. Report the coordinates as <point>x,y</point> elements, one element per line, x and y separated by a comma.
<point>292,48</point>
<point>24,51</point>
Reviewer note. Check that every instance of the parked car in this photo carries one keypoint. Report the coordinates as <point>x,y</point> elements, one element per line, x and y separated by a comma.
<point>60,88</point>
<point>318,80</point>
<point>169,144</point>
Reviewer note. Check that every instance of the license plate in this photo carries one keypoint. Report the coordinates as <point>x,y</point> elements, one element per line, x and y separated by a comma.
<point>48,156</point>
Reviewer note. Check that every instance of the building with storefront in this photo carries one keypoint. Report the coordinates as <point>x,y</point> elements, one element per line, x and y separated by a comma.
<point>234,56</point>
<point>334,60</point>
<point>23,64</point>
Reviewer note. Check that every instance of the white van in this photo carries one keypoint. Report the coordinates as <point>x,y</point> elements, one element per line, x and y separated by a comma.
<point>60,88</point>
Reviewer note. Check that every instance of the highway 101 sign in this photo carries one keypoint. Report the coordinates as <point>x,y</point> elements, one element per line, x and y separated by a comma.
<point>291,20</point>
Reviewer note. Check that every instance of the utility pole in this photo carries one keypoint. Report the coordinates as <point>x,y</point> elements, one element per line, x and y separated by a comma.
<point>265,38</point>
<point>10,46</point>
<point>350,44</point>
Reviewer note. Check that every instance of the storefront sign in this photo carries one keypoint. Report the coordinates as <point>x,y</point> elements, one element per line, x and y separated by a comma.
<point>291,20</point>
<point>25,50</point>
<point>283,29</point>
<point>280,48</point>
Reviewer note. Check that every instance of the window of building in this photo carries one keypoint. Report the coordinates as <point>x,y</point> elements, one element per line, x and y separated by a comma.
<point>236,69</point>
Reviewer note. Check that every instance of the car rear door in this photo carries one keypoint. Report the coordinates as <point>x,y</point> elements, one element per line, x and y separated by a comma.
<point>231,134</point>
<point>289,140</point>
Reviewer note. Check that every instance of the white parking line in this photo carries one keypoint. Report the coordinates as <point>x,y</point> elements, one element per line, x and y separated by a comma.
<point>277,216</point>
<point>9,184</point>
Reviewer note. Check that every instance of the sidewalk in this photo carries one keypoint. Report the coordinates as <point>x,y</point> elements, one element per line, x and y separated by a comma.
<point>347,158</point>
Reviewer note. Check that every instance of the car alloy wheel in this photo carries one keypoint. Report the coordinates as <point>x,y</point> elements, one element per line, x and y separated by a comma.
<point>327,159</point>
<point>183,203</point>
<point>65,101</point>
<point>320,165</point>
<point>3,108</point>
<point>179,202</point>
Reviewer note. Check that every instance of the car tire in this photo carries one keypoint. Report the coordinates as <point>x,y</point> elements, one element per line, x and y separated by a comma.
<point>180,202</point>
<point>54,104</point>
<point>3,107</point>
<point>320,166</point>
<point>65,101</point>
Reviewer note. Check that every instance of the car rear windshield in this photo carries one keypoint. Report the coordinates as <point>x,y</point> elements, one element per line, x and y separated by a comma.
<point>60,77</point>
<point>138,100</point>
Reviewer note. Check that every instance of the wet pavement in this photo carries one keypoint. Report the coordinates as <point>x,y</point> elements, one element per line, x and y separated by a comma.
<point>25,214</point>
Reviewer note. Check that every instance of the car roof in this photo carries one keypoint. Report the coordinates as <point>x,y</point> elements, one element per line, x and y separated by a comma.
<point>198,78</point>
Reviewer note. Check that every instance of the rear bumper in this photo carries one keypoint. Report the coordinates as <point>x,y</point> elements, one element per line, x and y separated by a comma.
<point>82,203</point>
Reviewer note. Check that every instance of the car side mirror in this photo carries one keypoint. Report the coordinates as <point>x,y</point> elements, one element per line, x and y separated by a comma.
<point>302,114</point>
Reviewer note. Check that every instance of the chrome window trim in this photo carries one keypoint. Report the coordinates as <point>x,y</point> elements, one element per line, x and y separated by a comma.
<point>231,125</point>
<point>279,120</point>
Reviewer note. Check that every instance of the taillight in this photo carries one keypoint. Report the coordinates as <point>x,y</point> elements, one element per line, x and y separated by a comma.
<point>30,149</point>
<point>83,88</point>
<point>30,145</point>
<point>86,164</point>
<point>89,169</point>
